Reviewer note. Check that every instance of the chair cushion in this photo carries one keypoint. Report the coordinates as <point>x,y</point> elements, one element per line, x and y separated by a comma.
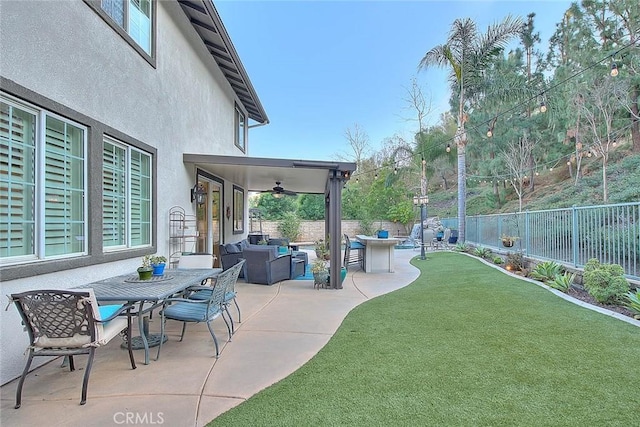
<point>190,312</point>
<point>107,311</point>
<point>232,248</point>
<point>196,261</point>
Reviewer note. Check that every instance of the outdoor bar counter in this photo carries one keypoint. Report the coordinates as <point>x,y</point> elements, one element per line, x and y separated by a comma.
<point>378,253</point>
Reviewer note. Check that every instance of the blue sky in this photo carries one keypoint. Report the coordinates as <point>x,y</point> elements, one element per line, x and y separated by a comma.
<point>320,67</point>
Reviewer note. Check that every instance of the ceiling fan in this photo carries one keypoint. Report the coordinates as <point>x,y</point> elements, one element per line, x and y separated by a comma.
<point>278,191</point>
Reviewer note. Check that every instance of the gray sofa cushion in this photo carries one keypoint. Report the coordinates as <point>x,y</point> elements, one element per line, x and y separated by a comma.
<point>232,248</point>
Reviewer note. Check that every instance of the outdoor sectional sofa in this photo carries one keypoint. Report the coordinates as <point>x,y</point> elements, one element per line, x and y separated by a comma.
<point>264,263</point>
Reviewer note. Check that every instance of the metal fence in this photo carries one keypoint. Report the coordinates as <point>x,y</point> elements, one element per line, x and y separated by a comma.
<point>609,233</point>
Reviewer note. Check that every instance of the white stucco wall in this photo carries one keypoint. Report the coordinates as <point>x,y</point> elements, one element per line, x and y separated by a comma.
<point>64,51</point>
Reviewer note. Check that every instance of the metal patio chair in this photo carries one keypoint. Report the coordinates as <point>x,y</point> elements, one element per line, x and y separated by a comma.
<point>204,261</point>
<point>188,310</point>
<point>69,323</point>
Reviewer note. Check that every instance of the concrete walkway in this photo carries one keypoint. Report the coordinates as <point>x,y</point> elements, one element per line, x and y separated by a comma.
<point>283,326</point>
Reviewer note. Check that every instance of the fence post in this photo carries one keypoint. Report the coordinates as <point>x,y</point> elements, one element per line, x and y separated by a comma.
<point>574,235</point>
<point>527,231</point>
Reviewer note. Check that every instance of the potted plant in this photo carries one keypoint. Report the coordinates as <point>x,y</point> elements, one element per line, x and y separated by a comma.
<point>158,263</point>
<point>320,272</point>
<point>508,241</point>
<point>381,233</point>
<point>145,270</point>
<point>322,249</point>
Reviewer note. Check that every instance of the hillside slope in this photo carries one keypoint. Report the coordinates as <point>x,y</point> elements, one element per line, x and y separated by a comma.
<point>553,189</point>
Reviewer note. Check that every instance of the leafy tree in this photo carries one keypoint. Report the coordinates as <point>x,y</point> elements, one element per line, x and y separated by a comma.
<point>311,206</point>
<point>598,106</point>
<point>403,213</point>
<point>274,208</point>
<point>466,54</point>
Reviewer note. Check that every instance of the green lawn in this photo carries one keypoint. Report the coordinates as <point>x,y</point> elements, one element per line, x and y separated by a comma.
<point>463,345</point>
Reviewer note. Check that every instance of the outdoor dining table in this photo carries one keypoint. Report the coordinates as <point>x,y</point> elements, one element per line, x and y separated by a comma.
<point>129,288</point>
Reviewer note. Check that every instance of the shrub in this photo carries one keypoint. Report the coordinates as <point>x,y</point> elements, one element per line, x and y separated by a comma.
<point>482,252</point>
<point>497,260</point>
<point>546,271</point>
<point>461,247</point>
<point>562,282</point>
<point>289,226</point>
<point>366,226</point>
<point>515,261</point>
<point>605,282</point>
<point>633,301</point>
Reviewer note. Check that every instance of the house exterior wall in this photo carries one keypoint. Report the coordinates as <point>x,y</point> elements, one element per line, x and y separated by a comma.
<point>63,57</point>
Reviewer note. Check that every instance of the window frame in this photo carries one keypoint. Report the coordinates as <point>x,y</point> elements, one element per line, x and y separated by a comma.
<point>123,32</point>
<point>238,210</point>
<point>240,129</point>
<point>129,149</point>
<point>40,206</point>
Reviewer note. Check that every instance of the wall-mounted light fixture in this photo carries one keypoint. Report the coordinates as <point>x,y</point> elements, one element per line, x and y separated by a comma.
<point>198,194</point>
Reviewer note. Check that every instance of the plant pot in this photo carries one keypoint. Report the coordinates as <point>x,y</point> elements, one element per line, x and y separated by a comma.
<point>507,243</point>
<point>343,274</point>
<point>383,234</point>
<point>145,273</point>
<point>158,269</point>
<point>320,279</point>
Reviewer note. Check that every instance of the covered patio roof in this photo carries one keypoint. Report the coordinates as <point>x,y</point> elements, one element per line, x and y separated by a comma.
<point>301,176</point>
<point>260,174</point>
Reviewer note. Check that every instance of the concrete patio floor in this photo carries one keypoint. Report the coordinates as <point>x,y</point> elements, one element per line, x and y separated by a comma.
<point>283,326</point>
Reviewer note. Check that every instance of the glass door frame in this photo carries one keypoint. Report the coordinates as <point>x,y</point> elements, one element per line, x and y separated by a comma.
<point>210,181</point>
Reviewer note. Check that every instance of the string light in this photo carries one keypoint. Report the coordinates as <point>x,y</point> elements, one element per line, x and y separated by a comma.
<point>543,108</point>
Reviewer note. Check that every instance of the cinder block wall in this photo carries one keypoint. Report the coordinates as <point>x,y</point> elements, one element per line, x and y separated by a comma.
<point>314,230</point>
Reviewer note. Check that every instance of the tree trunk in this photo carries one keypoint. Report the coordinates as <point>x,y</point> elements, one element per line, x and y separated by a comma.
<point>462,192</point>
<point>605,196</point>
<point>496,193</point>
<point>635,122</point>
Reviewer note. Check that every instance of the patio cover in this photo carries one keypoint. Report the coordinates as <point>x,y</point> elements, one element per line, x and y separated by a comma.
<point>302,176</point>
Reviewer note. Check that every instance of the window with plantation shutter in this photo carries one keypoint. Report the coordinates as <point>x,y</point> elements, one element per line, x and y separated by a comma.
<point>42,185</point>
<point>17,181</point>
<point>114,199</point>
<point>63,188</point>
<point>126,189</point>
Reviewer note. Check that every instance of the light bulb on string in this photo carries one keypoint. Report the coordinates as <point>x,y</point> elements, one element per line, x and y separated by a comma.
<point>614,69</point>
<point>543,107</point>
<point>448,148</point>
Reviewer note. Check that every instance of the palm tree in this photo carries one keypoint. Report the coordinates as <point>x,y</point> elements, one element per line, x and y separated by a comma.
<point>467,53</point>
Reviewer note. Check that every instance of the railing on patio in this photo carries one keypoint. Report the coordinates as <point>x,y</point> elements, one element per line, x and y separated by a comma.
<point>610,233</point>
